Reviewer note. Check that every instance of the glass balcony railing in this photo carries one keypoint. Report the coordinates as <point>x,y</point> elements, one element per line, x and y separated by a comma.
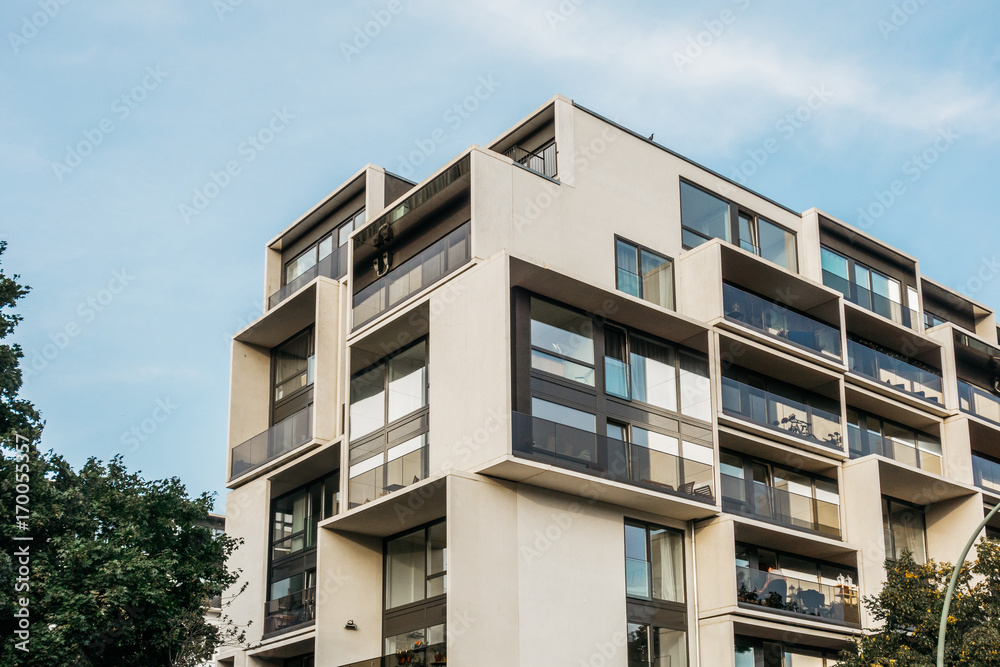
<point>380,475</point>
<point>926,454</point>
<point>808,597</point>
<point>780,506</point>
<point>781,414</point>
<point>333,266</point>
<point>986,473</point>
<point>541,161</point>
<point>895,372</point>
<point>612,459</point>
<point>284,436</point>
<point>780,322</point>
<point>413,275</point>
<point>876,303</point>
<point>978,402</point>
<point>289,611</point>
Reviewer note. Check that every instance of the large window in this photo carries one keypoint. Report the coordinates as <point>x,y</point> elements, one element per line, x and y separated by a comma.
<point>388,425</point>
<point>868,434</point>
<point>416,566</point>
<point>757,653</point>
<point>904,529</point>
<point>869,288</point>
<point>292,572</point>
<point>293,363</point>
<point>654,588</point>
<point>644,273</point>
<point>705,216</point>
<point>562,342</point>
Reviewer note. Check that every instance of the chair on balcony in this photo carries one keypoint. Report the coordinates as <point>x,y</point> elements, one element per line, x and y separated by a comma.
<point>812,601</point>
<point>705,491</point>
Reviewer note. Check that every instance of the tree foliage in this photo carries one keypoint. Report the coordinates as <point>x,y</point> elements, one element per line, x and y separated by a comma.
<point>910,604</point>
<point>98,566</point>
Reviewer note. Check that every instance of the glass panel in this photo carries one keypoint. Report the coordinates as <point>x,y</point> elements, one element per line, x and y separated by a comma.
<point>671,648</point>
<point>292,365</point>
<point>627,263</point>
<point>667,559</point>
<point>407,381</point>
<point>635,542</point>
<point>704,213</point>
<point>326,247</point>
<point>564,369</point>
<point>696,390</point>
<point>907,530</point>
<point>405,569</point>
<point>405,464</point>
<point>747,240</point>
<point>744,655</point>
<point>401,646</point>
<point>564,332</point>
<point>776,244</point>
<point>616,380</point>
<point>653,378</point>
<point>657,279</point>
<point>561,414</point>
<point>638,645</point>
<point>835,271</point>
<point>300,265</point>
<point>365,487</point>
<point>367,401</point>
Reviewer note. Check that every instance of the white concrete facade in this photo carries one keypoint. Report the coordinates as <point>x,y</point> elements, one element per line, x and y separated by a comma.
<point>536,549</point>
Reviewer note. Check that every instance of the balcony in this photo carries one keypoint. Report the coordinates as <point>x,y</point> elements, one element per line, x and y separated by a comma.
<point>333,266</point>
<point>978,402</point>
<point>541,161</point>
<point>986,473</point>
<point>780,506</point>
<point>414,275</point>
<point>292,610</point>
<point>777,321</point>
<point>804,597</point>
<point>894,372</point>
<point>283,437</point>
<point>433,654</point>
<point>395,469</point>
<point>601,456</point>
<point>778,413</point>
<point>872,301</point>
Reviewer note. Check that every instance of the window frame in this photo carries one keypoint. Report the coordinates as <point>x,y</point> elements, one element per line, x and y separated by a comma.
<point>905,289</point>
<point>300,397</point>
<point>639,249</point>
<point>736,212</point>
<point>890,549</point>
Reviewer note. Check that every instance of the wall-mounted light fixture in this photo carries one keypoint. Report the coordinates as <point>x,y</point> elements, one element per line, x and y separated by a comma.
<point>351,625</point>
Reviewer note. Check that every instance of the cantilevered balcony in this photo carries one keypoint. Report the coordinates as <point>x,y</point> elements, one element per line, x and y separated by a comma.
<point>777,321</point>
<point>806,597</point>
<point>541,161</point>
<point>894,371</point>
<point>979,402</point>
<point>986,473</point>
<point>584,451</point>
<point>283,437</point>
<point>296,609</point>
<point>872,301</point>
<point>334,265</point>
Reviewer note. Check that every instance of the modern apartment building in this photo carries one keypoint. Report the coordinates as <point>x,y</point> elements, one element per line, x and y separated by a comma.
<point>574,400</point>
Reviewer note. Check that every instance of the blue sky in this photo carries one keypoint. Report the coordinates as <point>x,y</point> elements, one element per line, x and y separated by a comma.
<point>114,116</point>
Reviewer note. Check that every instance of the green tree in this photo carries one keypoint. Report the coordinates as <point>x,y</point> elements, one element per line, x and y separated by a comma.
<point>118,570</point>
<point>909,606</point>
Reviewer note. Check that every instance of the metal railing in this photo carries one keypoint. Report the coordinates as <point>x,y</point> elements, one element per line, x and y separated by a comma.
<point>284,436</point>
<point>894,372</point>
<point>780,322</point>
<point>800,596</point>
<point>876,303</point>
<point>333,266</point>
<point>415,274</point>
<point>781,414</point>
<point>541,161</point>
<point>780,506</point>
<point>986,473</point>
<point>289,611</point>
<point>601,456</point>
<point>978,402</point>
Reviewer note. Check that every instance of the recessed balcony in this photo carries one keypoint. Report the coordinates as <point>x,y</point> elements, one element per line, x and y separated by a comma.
<point>895,372</point>
<point>541,161</point>
<point>779,413</point>
<point>290,611</point>
<point>978,402</point>
<point>806,597</point>
<point>264,447</point>
<point>333,265</point>
<point>986,473</point>
<point>777,321</point>
<point>584,451</point>
<point>782,506</point>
